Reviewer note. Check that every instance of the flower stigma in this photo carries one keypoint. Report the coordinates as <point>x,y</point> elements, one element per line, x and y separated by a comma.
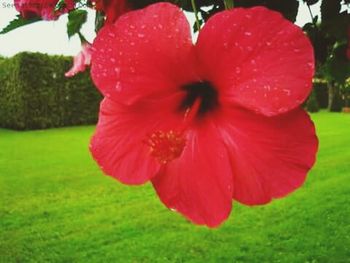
<point>167,146</point>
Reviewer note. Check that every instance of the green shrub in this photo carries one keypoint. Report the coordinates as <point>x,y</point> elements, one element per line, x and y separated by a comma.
<point>336,101</point>
<point>321,92</point>
<point>312,103</point>
<point>35,94</point>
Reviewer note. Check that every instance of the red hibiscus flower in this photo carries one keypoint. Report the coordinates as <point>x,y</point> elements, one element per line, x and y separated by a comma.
<point>81,61</point>
<point>210,122</point>
<point>41,8</point>
<point>112,8</point>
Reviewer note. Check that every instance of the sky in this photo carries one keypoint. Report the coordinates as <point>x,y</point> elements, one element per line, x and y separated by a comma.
<point>50,37</point>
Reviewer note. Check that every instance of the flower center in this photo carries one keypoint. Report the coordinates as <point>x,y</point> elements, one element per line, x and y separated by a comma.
<point>204,91</point>
<point>166,146</point>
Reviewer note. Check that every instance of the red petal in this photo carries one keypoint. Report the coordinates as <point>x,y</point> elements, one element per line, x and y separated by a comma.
<point>257,59</point>
<point>270,155</point>
<point>114,9</point>
<point>199,183</point>
<point>118,145</point>
<point>146,52</point>
<point>81,61</point>
<point>41,8</point>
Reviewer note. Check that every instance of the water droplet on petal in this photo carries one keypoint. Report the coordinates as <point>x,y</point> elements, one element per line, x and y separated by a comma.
<point>247,33</point>
<point>296,50</point>
<point>140,35</point>
<point>132,69</point>
<point>267,87</point>
<point>282,109</point>
<point>132,43</point>
<point>111,34</point>
<point>112,60</point>
<point>118,86</point>
<point>117,71</point>
<point>310,64</point>
<point>238,70</point>
<point>268,43</point>
<point>287,92</point>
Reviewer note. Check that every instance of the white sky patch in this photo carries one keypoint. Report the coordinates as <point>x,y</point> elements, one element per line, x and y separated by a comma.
<point>51,37</point>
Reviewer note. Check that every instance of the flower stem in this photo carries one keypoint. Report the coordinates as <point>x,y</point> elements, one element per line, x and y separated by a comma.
<point>196,14</point>
<point>311,15</point>
<point>228,4</point>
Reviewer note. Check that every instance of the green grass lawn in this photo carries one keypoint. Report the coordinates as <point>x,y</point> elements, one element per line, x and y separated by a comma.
<point>56,206</point>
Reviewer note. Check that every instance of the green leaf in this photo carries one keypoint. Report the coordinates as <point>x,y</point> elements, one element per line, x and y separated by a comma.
<point>99,21</point>
<point>60,5</point>
<point>76,19</point>
<point>337,27</point>
<point>330,9</point>
<point>18,22</point>
<point>194,27</point>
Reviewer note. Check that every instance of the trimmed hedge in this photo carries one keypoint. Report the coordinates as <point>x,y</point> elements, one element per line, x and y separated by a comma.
<point>35,94</point>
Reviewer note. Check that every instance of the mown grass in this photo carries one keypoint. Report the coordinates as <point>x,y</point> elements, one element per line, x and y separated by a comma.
<point>56,206</point>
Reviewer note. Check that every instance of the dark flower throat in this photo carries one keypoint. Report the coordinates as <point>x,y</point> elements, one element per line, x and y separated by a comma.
<point>203,90</point>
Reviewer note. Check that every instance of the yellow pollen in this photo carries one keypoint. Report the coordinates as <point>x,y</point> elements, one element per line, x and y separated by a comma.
<point>166,146</point>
